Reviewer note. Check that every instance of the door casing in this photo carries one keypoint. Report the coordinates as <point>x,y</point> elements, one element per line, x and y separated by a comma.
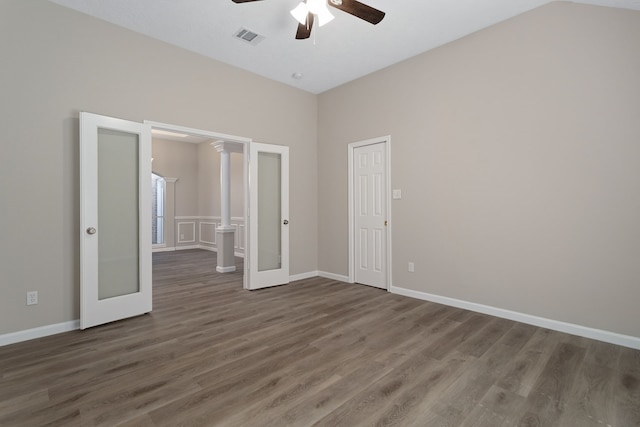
<point>245,152</point>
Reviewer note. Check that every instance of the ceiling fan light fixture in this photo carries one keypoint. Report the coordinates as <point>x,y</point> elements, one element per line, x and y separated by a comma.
<point>320,9</point>
<point>317,7</point>
<point>324,17</point>
<point>300,13</point>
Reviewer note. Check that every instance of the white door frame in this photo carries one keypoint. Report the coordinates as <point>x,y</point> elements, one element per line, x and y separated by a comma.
<point>386,140</point>
<point>245,152</point>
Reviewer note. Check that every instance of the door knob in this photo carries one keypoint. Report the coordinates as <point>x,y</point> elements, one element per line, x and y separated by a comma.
<point>91,230</point>
<point>285,222</point>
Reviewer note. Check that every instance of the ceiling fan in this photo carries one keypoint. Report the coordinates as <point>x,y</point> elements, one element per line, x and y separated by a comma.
<point>309,10</point>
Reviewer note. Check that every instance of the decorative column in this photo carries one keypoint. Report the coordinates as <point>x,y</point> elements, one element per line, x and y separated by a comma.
<point>225,237</point>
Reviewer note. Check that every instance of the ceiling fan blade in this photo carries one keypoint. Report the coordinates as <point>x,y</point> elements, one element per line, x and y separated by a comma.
<point>304,30</point>
<point>358,9</point>
<point>243,1</point>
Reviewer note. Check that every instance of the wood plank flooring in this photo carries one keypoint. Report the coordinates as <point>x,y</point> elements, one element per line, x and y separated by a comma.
<point>314,353</point>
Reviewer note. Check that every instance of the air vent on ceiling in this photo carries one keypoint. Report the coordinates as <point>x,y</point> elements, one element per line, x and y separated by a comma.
<point>248,36</point>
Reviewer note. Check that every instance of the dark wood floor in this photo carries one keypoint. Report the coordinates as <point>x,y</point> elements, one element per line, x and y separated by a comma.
<point>315,352</point>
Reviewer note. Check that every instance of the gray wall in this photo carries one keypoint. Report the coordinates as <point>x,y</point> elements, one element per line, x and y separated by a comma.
<point>196,193</point>
<point>209,182</point>
<point>57,62</point>
<point>517,150</point>
<point>179,160</point>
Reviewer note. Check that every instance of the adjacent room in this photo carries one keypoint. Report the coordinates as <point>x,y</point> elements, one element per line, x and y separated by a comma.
<point>456,229</point>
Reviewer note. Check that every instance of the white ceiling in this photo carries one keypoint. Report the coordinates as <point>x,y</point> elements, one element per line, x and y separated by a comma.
<point>341,51</point>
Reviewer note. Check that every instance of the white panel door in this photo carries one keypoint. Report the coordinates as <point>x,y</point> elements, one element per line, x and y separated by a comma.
<point>370,210</point>
<point>268,215</point>
<point>115,219</point>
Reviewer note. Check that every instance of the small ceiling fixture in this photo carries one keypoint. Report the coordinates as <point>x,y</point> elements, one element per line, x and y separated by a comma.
<point>315,7</point>
<point>297,76</point>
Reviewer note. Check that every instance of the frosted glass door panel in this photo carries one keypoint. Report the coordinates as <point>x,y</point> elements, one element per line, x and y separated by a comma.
<point>118,213</point>
<point>269,211</point>
<point>268,216</point>
<point>115,219</point>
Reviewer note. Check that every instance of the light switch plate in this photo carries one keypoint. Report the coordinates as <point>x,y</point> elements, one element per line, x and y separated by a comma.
<point>397,194</point>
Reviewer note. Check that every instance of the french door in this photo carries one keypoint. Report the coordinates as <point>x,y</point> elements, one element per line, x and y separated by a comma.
<point>115,219</point>
<point>268,215</point>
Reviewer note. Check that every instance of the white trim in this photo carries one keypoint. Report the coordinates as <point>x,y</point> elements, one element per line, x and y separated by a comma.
<point>207,218</point>
<point>200,239</point>
<point>213,218</point>
<point>206,248</point>
<point>164,249</point>
<point>197,132</point>
<point>184,248</point>
<point>229,147</point>
<point>333,276</point>
<point>229,269</point>
<point>302,276</point>
<point>386,140</point>
<point>193,232</point>
<point>556,325</point>
<point>570,328</point>
<point>42,331</point>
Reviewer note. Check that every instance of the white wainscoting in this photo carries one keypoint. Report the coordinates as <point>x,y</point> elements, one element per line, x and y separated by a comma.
<point>207,232</point>
<point>186,232</point>
<point>199,232</point>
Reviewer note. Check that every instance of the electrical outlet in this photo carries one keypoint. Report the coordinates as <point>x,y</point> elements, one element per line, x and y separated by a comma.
<point>32,297</point>
<point>410,267</point>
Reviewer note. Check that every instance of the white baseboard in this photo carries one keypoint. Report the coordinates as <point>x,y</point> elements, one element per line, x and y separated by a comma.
<point>333,276</point>
<point>42,331</point>
<point>556,325</point>
<point>302,276</point>
<point>570,328</point>
<point>186,248</point>
<point>165,249</point>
